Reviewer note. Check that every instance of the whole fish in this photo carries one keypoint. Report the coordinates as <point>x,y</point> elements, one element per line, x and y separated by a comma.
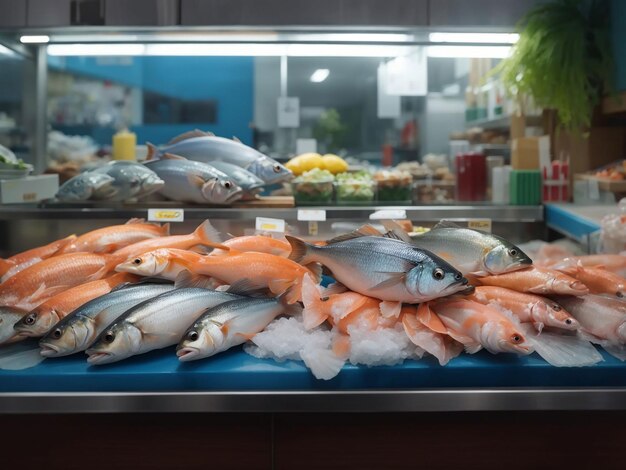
<point>528,308</point>
<point>477,326</point>
<point>16,263</point>
<point>378,267</point>
<point>39,321</point>
<point>131,180</point>
<point>613,263</point>
<point>472,251</point>
<point>83,186</point>
<point>154,324</point>
<point>191,181</point>
<point>258,243</point>
<point>9,316</point>
<point>36,284</point>
<point>229,324</point>
<point>249,182</point>
<point>536,280</point>
<point>598,280</point>
<point>78,330</point>
<point>207,148</point>
<point>277,274</point>
<point>114,237</point>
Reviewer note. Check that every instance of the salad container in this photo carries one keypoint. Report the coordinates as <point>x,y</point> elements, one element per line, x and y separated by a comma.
<point>355,188</point>
<point>313,188</point>
<point>394,186</point>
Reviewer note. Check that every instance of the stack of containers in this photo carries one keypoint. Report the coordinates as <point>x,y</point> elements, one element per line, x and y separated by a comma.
<point>527,156</point>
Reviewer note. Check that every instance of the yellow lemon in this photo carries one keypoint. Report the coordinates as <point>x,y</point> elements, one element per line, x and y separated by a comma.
<point>334,164</point>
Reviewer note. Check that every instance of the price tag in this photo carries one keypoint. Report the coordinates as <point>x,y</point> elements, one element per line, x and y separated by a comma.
<point>594,189</point>
<point>318,215</point>
<point>313,228</point>
<point>265,224</point>
<point>166,215</point>
<point>388,214</point>
<point>483,225</point>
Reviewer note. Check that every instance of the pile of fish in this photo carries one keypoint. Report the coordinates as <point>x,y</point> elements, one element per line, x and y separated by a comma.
<point>196,167</point>
<point>124,290</point>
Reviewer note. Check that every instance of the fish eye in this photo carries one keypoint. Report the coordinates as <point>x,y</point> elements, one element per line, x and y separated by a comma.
<point>568,321</point>
<point>556,307</point>
<point>438,274</point>
<point>324,299</point>
<point>57,333</point>
<point>137,261</point>
<point>192,335</point>
<point>227,184</point>
<point>516,338</point>
<point>109,337</point>
<point>458,276</point>
<point>512,252</point>
<point>134,182</point>
<point>30,319</point>
<point>619,294</point>
<point>277,168</point>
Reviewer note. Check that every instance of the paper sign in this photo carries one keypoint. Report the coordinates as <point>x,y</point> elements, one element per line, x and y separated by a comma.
<point>288,112</point>
<point>265,224</point>
<point>312,214</point>
<point>388,214</point>
<point>166,215</point>
<point>483,225</point>
<point>594,189</point>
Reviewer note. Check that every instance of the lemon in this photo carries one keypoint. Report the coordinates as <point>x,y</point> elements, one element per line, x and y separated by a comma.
<point>305,162</point>
<point>334,163</point>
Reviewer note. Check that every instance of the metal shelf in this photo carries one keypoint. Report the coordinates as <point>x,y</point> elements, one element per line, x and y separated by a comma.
<point>497,213</point>
<point>436,400</point>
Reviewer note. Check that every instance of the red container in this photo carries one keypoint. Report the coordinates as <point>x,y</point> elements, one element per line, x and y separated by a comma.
<point>471,177</point>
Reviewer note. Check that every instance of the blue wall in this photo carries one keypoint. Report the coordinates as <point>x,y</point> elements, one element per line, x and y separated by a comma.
<point>227,80</point>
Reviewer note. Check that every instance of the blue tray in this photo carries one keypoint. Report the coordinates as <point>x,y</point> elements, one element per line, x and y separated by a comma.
<point>237,371</point>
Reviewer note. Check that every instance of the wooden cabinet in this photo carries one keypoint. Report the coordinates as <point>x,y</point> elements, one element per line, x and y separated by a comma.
<point>141,13</point>
<point>503,13</point>
<point>49,13</point>
<point>12,13</point>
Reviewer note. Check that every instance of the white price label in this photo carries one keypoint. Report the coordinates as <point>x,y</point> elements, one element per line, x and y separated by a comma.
<point>318,215</point>
<point>166,215</point>
<point>388,214</point>
<point>483,225</point>
<point>265,224</point>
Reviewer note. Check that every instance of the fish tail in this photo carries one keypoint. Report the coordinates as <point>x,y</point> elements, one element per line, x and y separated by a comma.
<point>429,319</point>
<point>20,356</point>
<point>315,312</point>
<point>165,229</point>
<point>63,245</point>
<point>153,152</point>
<point>299,250</point>
<point>208,235</point>
<point>562,350</point>
<point>5,265</point>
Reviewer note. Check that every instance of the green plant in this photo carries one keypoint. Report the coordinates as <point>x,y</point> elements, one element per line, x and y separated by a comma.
<point>329,130</point>
<point>562,59</point>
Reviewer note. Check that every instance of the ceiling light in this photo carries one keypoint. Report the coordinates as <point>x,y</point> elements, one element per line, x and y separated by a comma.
<point>96,49</point>
<point>320,75</point>
<point>35,39</point>
<point>471,52</point>
<point>486,38</point>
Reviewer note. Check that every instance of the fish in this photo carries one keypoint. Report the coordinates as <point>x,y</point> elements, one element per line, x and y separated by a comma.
<point>16,263</point>
<point>613,263</point>
<point>82,187</point>
<point>79,329</point>
<point>474,325</point>
<point>9,316</point>
<point>248,182</point>
<point>206,147</point>
<point>112,238</point>
<point>131,180</point>
<point>536,280</point>
<point>196,182</point>
<point>39,321</point>
<point>471,251</point>
<point>387,269</point>
<point>154,324</point>
<point>204,234</point>
<point>36,284</point>
<point>229,324</point>
<point>258,243</point>
<point>598,280</point>
<point>263,270</point>
<point>529,308</point>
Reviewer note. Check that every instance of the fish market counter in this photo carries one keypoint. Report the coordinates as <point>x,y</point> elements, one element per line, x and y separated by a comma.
<point>237,382</point>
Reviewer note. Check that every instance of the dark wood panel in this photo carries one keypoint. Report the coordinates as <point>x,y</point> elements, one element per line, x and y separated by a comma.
<point>12,13</point>
<point>478,12</point>
<point>384,12</point>
<point>141,13</point>
<point>137,442</point>
<point>49,13</point>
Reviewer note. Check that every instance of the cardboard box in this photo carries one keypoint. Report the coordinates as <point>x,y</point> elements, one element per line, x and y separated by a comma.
<point>29,189</point>
<point>530,153</point>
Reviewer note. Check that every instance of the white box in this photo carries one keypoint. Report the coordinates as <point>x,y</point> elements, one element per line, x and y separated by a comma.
<point>29,189</point>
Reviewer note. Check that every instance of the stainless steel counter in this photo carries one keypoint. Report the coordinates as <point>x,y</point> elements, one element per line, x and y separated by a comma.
<point>303,401</point>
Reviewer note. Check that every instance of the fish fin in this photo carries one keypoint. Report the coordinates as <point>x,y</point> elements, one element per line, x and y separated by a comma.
<point>324,364</point>
<point>188,135</point>
<point>135,220</point>
<point>479,273</point>
<point>279,286</point>
<point>430,319</point>
<point>121,279</point>
<point>366,230</point>
<point>153,151</point>
<point>206,232</point>
<point>335,288</point>
<point>425,338</point>
<point>470,345</point>
<point>473,347</point>
<point>247,336</point>
<point>341,346</point>
<point>42,293</point>
<point>390,309</point>
<point>538,326</point>
<point>299,249</point>
<point>64,243</point>
<point>314,313</point>
<point>562,350</point>
<point>616,350</point>
<point>5,265</point>
<point>246,287</point>
<point>446,224</point>
<point>171,156</point>
<point>293,308</point>
<point>316,270</point>
<point>394,279</point>
<point>165,229</point>
<point>195,180</point>
<point>236,139</point>
<point>394,230</point>
<point>188,279</point>
<point>540,290</point>
<point>19,356</point>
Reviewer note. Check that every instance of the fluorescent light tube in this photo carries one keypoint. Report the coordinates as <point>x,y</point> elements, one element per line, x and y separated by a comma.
<point>35,39</point>
<point>486,38</point>
<point>96,49</point>
<point>472,52</point>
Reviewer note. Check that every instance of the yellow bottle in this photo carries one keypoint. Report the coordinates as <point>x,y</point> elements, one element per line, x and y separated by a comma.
<point>124,144</point>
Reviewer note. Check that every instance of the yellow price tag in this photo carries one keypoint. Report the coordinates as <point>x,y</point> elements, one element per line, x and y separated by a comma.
<point>166,215</point>
<point>483,225</point>
<point>265,224</point>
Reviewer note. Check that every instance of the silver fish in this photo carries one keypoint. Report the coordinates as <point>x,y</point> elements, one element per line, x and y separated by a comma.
<point>83,186</point>
<point>229,324</point>
<point>471,251</point>
<point>154,324</point>
<point>77,331</point>
<point>206,147</point>
<point>8,318</point>
<point>131,181</point>
<point>189,181</point>
<point>249,182</point>
<point>383,268</point>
